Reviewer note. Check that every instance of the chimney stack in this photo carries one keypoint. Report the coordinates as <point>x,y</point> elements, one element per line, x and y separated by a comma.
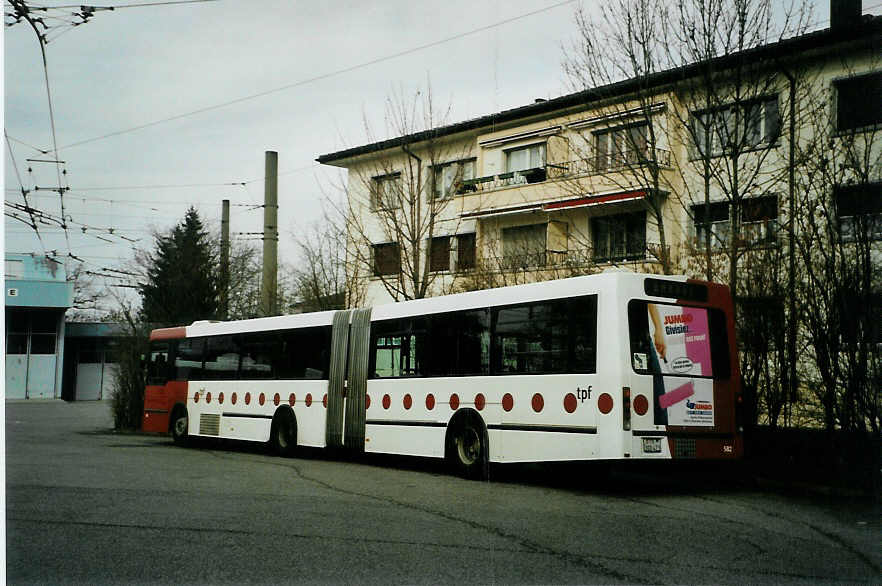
<point>844,14</point>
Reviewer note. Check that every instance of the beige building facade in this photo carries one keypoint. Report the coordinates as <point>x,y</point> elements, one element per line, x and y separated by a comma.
<point>665,174</point>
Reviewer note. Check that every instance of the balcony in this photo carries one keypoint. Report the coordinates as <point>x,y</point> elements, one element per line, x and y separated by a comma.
<point>611,163</point>
<point>569,260</point>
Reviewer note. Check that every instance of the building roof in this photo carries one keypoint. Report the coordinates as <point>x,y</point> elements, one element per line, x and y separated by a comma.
<point>867,31</point>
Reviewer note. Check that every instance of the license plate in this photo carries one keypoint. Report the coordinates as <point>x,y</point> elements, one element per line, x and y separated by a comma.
<point>652,445</point>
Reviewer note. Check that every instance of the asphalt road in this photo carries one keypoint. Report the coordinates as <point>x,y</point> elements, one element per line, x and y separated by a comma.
<point>86,505</point>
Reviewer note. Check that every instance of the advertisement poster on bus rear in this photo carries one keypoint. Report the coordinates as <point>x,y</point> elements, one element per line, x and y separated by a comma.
<point>680,340</point>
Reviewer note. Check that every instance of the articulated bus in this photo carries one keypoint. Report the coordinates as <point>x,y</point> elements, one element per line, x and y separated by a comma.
<point>609,366</point>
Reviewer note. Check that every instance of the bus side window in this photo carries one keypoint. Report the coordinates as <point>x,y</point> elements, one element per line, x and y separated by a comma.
<point>188,359</point>
<point>221,358</point>
<point>546,337</point>
<point>303,354</point>
<point>258,354</point>
<point>460,343</point>
<point>582,321</point>
<point>642,359</point>
<point>399,348</point>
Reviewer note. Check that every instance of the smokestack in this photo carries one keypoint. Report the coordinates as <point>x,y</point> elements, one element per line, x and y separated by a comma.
<point>844,14</point>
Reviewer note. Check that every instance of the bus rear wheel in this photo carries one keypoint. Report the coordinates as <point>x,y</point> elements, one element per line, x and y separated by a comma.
<point>179,425</point>
<point>283,433</point>
<point>467,447</point>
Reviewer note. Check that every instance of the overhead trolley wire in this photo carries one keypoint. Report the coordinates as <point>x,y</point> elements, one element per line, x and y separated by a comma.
<point>323,76</point>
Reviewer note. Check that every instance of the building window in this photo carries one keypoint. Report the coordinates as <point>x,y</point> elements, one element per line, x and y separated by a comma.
<point>619,147</point>
<point>465,252</point>
<point>44,329</point>
<point>714,219</point>
<point>528,162</point>
<point>857,101</point>
<point>387,259</point>
<point>619,237</point>
<point>860,327</point>
<point>16,331</point>
<point>14,269</point>
<point>386,192</point>
<point>759,220</point>
<point>752,124</point>
<point>859,209</point>
<point>439,254</point>
<point>761,323</point>
<point>448,178</point>
<point>524,246</point>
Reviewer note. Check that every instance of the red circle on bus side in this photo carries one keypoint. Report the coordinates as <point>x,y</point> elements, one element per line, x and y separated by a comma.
<point>208,397</point>
<point>233,398</point>
<point>387,401</point>
<point>605,403</point>
<point>570,403</point>
<point>308,399</point>
<point>325,401</point>
<point>220,398</point>
<point>408,401</point>
<point>538,403</point>
<point>430,401</point>
<point>454,401</point>
<point>292,399</point>
<point>247,398</point>
<point>261,399</point>
<point>196,398</point>
<point>507,402</point>
<point>276,399</point>
<point>480,401</point>
<point>367,401</point>
<point>641,405</point>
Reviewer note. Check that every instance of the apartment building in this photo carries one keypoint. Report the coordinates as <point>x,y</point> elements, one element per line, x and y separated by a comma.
<point>688,170</point>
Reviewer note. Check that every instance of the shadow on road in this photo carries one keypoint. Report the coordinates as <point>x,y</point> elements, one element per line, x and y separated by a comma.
<point>624,477</point>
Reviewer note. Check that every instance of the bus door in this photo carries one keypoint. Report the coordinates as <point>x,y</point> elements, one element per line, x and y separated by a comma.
<point>672,375</point>
<point>159,368</point>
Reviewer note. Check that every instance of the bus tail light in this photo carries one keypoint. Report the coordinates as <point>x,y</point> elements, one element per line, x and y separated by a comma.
<point>626,408</point>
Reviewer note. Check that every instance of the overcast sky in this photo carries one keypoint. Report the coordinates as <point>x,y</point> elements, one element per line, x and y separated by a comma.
<point>136,66</point>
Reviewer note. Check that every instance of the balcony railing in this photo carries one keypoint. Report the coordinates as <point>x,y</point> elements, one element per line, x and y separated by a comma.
<point>569,259</point>
<point>610,163</point>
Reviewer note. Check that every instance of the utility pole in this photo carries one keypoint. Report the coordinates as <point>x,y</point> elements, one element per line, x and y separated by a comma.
<point>225,260</point>
<point>268,302</point>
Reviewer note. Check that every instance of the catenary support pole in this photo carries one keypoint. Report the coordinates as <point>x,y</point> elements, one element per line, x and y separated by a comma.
<point>225,261</point>
<point>270,234</point>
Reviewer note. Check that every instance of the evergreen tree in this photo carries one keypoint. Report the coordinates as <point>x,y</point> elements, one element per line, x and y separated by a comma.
<point>181,278</point>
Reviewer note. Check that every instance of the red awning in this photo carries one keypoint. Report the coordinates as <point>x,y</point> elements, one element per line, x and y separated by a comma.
<point>550,206</point>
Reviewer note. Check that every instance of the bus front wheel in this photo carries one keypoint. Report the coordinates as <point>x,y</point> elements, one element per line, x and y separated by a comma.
<point>179,425</point>
<point>467,445</point>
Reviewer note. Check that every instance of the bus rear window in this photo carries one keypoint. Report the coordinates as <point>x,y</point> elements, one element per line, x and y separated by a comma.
<point>678,340</point>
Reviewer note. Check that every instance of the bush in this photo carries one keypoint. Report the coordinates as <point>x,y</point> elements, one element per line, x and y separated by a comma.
<point>127,403</point>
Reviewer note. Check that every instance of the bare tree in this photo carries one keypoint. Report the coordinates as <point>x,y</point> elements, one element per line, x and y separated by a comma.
<point>730,116</point>
<point>322,279</point>
<point>401,201</point>
<point>614,62</point>
<point>839,241</point>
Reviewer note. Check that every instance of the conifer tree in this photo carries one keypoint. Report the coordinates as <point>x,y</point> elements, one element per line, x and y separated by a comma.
<point>181,276</point>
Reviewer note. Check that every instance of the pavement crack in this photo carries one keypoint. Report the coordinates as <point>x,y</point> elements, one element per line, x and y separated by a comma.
<point>846,546</point>
<point>526,544</point>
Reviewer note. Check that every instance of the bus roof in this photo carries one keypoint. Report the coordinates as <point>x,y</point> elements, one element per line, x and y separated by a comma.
<point>554,289</point>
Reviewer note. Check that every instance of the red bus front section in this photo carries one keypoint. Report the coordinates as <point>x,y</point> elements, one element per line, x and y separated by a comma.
<point>158,403</point>
<point>162,393</point>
